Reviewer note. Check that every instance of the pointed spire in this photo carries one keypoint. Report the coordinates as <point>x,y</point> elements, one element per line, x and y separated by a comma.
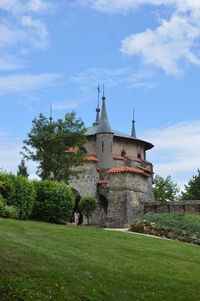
<point>51,114</point>
<point>133,133</point>
<point>98,108</point>
<point>104,126</point>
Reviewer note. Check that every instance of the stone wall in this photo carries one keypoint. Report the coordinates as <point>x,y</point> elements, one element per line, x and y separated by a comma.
<point>131,148</point>
<point>85,184</point>
<point>172,207</point>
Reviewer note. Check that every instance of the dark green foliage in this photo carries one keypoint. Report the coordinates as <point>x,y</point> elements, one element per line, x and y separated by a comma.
<point>87,205</point>
<point>8,211</point>
<point>54,202</point>
<point>22,169</point>
<point>47,142</point>
<point>192,189</point>
<point>17,191</point>
<point>165,189</point>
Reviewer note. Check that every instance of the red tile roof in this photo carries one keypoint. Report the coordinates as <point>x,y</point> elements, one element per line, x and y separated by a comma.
<point>118,157</point>
<point>147,162</point>
<point>103,182</point>
<point>146,169</point>
<point>127,169</point>
<point>92,158</point>
<point>134,159</point>
<point>71,150</point>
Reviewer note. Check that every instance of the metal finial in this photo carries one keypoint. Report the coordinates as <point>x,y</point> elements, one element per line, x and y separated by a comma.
<point>103,92</point>
<point>51,113</point>
<point>99,90</point>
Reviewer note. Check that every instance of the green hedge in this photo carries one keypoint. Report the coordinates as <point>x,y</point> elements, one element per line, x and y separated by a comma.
<point>54,202</point>
<point>17,192</point>
<point>8,211</point>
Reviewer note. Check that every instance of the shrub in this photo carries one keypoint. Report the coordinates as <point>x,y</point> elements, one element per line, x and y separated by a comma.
<point>87,205</point>
<point>54,202</point>
<point>8,211</point>
<point>18,192</point>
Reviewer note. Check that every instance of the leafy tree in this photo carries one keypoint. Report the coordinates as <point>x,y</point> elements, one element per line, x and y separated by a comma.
<point>48,141</point>
<point>87,205</point>
<point>165,189</point>
<point>22,169</point>
<point>192,189</point>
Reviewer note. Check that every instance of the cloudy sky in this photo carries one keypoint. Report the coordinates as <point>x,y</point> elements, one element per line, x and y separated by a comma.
<point>147,52</point>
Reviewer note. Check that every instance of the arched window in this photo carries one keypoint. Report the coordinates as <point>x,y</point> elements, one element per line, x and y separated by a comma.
<point>139,156</point>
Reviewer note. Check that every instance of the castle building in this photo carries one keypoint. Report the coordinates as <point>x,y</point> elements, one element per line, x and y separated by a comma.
<point>115,172</point>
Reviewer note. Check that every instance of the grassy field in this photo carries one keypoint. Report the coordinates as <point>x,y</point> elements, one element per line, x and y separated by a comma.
<point>41,261</point>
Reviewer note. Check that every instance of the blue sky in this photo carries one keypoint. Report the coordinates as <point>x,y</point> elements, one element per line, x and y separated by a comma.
<point>147,52</point>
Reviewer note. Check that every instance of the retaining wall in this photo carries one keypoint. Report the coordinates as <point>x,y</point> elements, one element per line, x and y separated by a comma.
<point>173,207</point>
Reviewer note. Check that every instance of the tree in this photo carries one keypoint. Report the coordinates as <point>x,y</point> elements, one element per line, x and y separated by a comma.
<point>192,189</point>
<point>87,205</point>
<point>47,142</point>
<point>22,169</point>
<point>165,189</point>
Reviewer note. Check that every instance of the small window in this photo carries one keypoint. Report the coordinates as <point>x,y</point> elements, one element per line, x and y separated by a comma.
<point>102,146</point>
<point>111,146</point>
<point>123,153</point>
<point>139,156</point>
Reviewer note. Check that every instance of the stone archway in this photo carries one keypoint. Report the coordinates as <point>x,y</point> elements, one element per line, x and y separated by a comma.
<point>103,210</point>
<point>77,197</point>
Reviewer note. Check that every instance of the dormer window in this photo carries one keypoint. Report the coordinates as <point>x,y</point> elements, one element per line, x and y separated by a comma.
<point>123,153</point>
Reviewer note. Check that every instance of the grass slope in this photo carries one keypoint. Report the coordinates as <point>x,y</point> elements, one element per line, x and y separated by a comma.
<point>41,261</point>
<point>190,223</point>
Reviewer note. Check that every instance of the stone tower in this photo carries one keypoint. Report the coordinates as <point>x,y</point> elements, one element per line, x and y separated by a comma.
<point>115,172</point>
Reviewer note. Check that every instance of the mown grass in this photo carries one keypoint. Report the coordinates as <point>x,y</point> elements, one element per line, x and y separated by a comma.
<point>41,261</point>
<point>189,223</point>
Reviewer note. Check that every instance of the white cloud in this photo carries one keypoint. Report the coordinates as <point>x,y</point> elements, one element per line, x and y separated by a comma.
<point>172,44</point>
<point>177,150</point>
<point>114,77</point>
<point>38,32</point>
<point>20,83</point>
<point>9,63</point>
<point>64,105</point>
<point>17,7</point>
<point>166,46</point>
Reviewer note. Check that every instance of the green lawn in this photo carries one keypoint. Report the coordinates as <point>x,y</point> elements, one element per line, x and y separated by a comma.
<point>41,261</point>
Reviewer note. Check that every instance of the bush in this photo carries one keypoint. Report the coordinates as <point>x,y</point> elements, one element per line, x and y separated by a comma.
<point>87,205</point>
<point>18,192</point>
<point>54,202</point>
<point>8,211</point>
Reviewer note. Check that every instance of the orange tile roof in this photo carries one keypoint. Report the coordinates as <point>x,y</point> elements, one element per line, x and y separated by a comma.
<point>146,169</point>
<point>127,169</point>
<point>103,182</point>
<point>147,162</point>
<point>71,150</point>
<point>134,159</point>
<point>92,158</point>
<point>118,157</point>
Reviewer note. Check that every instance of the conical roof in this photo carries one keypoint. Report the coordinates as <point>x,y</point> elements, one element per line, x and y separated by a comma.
<point>104,126</point>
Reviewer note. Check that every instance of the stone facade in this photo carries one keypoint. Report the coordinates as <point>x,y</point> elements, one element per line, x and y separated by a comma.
<point>115,172</point>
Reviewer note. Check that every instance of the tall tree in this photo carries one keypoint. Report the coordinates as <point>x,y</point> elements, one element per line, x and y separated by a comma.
<point>192,189</point>
<point>47,142</point>
<point>22,169</point>
<point>165,189</point>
